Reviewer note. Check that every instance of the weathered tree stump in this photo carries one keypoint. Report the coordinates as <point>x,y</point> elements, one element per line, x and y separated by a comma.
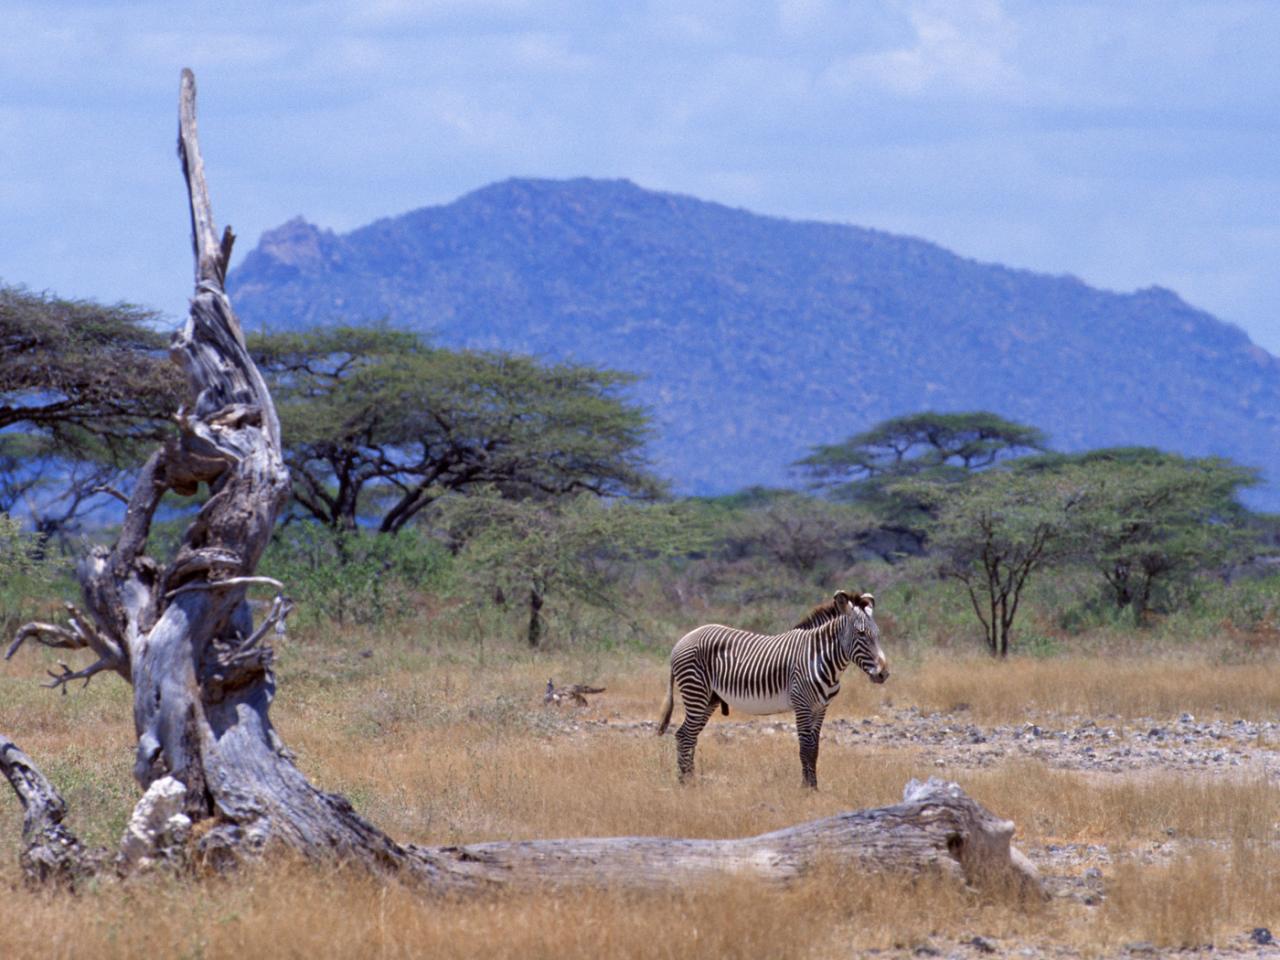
<point>208,759</point>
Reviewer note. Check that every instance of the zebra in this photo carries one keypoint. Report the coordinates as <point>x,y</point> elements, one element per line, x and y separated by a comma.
<point>799,670</point>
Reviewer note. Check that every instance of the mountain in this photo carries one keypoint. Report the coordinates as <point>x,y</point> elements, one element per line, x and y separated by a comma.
<point>759,337</point>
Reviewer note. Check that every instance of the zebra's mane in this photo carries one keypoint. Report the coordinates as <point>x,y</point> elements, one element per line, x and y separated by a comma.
<point>822,613</point>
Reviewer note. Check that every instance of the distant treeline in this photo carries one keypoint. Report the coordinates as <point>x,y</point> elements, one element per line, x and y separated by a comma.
<point>524,484</point>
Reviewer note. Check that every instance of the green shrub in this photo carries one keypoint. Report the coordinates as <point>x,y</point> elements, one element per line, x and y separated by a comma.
<point>354,578</point>
<point>27,574</point>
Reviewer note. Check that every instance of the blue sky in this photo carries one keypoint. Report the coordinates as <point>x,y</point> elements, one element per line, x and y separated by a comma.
<point>1127,143</point>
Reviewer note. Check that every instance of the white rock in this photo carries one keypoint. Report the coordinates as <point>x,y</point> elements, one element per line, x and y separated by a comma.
<point>157,823</point>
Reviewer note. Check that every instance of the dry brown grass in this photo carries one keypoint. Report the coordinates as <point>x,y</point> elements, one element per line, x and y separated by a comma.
<point>290,912</point>
<point>441,747</point>
<point>1063,806</point>
<point>286,912</point>
<point>1007,692</point>
<point>454,761</point>
<point>1193,900</point>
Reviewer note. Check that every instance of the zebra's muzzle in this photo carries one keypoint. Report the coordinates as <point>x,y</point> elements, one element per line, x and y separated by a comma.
<point>880,676</point>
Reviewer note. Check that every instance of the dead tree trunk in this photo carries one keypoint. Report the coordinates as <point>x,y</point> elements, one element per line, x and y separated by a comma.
<point>201,671</point>
<point>184,636</point>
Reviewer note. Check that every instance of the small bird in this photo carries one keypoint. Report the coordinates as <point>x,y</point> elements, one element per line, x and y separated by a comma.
<point>577,693</point>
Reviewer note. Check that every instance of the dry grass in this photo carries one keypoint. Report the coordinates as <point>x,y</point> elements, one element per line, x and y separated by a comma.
<point>292,912</point>
<point>444,746</point>
<point>1192,901</point>
<point>1006,692</point>
<point>307,913</point>
<point>1061,806</point>
<point>457,762</point>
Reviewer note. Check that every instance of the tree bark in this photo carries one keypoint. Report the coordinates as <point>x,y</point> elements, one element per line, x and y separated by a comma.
<point>533,636</point>
<point>936,827</point>
<point>50,852</point>
<point>184,635</point>
<point>208,759</point>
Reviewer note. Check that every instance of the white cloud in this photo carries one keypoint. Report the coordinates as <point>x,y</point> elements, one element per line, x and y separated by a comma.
<point>959,48</point>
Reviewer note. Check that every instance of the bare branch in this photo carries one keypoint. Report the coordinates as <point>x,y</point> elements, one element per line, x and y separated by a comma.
<point>79,634</point>
<point>110,491</point>
<point>281,607</point>
<point>210,265</point>
<point>60,680</point>
<point>222,584</point>
<point>229,666</point>
<point>47,634</point>
<point>50,850</point>
<point>94,638</point>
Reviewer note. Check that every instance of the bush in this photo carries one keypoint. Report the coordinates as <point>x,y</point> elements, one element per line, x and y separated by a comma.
<point>570,556</point>
<point>26,575</point>
<point>354,578</point>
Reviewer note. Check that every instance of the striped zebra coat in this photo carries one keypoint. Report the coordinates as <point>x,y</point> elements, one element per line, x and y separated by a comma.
<point>798,670</point>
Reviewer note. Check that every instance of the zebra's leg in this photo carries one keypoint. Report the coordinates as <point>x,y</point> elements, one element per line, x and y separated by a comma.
<point>696,715</point>
<point>808,729</point>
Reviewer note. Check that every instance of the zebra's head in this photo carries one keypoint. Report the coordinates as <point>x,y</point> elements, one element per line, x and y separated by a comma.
<point>862,639</point>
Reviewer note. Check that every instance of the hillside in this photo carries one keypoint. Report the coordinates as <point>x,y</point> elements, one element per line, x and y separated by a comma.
<point>759,337</point>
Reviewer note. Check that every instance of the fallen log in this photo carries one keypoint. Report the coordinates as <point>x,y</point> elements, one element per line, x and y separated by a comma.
<point>220,785</point>
<point>936,827</point>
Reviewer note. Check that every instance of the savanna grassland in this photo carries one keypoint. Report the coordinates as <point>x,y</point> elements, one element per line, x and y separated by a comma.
<point>1142,767</point>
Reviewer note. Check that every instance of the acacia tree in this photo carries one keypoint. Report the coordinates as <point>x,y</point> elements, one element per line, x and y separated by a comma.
<point>83,388</point>
<point>380,424</point>
<point>51,486</point>
<point>868,467</point>
<point>918,443</point>
<point>1150,519</point>
<point>555,550</point>
<point>73,368</point>
<point>798,532</point>
<point>994,531</point>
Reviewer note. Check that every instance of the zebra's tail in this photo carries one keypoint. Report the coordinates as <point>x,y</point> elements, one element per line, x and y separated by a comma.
<point>669,705</point>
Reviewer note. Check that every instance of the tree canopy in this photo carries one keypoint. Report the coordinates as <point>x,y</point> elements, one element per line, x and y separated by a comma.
<point>1145,519</point>
<point>82,386</point>
<point>378,424</point>
<point>802,534</point>
<point>1150,519</point>
<point>571,548</point>
<point>77,370</point>
<point>920,442</point>
<point>941,447</point>
<point>994,531</point>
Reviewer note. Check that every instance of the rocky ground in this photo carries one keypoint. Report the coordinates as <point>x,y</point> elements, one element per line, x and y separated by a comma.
<point>1069,743</point>
<point>1258,942</point>
<point>1079,743</point>
<point>1096,745</point>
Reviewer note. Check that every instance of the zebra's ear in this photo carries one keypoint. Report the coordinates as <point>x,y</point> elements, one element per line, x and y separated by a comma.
<point>865,601</point>
<point>843,601</point>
